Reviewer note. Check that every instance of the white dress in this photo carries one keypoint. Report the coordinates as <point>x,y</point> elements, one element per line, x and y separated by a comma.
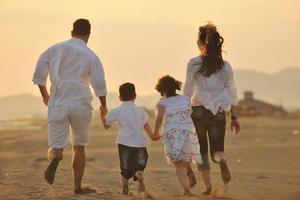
<point>179,136</point>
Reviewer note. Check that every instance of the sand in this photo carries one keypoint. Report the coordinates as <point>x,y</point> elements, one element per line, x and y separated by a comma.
<point>263,159</point>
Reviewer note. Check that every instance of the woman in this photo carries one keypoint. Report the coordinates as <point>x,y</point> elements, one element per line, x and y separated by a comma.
<point>210,83</point>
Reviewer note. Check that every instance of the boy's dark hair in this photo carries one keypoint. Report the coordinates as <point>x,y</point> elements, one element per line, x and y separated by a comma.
<point>167,84</point>
<point>127,91</point>
<point>81,27</point>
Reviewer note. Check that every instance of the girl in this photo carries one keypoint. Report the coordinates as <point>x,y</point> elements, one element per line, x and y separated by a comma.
<point>179,136</point>
<point>210,83</point>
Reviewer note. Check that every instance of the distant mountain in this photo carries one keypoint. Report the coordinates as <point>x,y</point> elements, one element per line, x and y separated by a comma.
<point>29,106</point>
<point>21,106</point>
<point>279,88</point>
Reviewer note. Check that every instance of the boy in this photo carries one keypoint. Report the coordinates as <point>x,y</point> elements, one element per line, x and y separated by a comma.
<point>132,122</point>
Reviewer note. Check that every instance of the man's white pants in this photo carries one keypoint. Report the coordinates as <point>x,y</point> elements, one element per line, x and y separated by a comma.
<point>76,115</point>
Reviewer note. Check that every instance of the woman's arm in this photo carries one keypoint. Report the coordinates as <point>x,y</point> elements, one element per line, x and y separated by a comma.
<point>189,82</point>
<point>234,124</point>
<point>232,91</point>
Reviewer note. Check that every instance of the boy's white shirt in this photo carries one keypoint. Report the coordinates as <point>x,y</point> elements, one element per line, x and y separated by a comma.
<point>130,120</point>
<point>72,67</point>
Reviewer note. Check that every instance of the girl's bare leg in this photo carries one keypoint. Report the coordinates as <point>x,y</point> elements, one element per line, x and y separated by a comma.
<point>182,177</point>
<point>190,174</point>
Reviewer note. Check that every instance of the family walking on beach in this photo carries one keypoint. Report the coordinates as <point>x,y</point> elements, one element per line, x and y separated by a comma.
<point>187,123</point>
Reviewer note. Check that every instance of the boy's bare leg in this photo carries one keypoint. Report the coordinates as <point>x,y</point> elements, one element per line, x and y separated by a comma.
<point>54,156</point>
<point>183,178</point>
<point>140,180</point>
<point>125,185</point>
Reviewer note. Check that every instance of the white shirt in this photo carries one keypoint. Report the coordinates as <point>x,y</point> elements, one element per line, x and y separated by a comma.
<point>177,113</point>
<point>213,92</point>
<point>72,67</point>
<point>131,120</point>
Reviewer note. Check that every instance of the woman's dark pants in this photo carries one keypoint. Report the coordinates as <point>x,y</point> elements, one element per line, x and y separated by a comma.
<point>210,129</point>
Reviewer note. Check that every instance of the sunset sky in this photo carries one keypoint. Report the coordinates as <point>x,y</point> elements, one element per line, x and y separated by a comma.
<point>140,40</point>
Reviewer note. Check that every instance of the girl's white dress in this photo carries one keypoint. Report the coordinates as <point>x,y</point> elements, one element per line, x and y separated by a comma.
<point>179,136</point>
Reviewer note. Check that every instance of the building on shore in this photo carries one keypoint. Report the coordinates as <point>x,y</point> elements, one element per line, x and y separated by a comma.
<point>249,106</point>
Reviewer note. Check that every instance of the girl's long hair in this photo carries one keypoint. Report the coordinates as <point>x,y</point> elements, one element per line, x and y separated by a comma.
<point>211,40</point>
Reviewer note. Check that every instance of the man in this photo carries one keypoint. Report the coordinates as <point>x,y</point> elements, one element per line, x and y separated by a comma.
<point>72,67</point>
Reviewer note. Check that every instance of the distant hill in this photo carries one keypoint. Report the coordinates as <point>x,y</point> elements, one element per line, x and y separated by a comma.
<point>29,106</point>
<point>279,88</point>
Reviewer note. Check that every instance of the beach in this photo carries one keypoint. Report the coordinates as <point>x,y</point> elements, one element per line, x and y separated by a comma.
<point>263,159</point>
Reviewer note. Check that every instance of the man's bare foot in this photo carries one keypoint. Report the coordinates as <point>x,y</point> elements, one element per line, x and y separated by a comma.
<point>84,190</point>
<point>49,173</point>
<point>140,181</point>
<point>207,191</point>
<point>226,176</point>
<point>187,193</point>
<point>191,177</point>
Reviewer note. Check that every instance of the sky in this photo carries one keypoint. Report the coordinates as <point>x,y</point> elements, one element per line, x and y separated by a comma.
<point>139,40</point>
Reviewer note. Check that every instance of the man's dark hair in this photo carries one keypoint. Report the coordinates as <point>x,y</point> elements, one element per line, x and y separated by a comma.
<point>127,91</point>
<point>81,27</point>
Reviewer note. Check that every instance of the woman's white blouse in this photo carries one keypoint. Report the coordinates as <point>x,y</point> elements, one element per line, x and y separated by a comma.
<point>213,92</point>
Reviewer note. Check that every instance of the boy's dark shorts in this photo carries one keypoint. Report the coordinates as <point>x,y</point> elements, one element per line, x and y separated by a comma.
<point>132,159</point>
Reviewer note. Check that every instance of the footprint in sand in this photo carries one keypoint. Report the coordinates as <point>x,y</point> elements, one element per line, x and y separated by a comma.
<point>91,159</point>
<point>40,159</point>
<point>263,177</point>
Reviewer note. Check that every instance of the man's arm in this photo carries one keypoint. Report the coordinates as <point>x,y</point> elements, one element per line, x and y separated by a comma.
<point>103,107</point>
<point>44,93</point>
<point>103,119</point>
<point>40,75</point>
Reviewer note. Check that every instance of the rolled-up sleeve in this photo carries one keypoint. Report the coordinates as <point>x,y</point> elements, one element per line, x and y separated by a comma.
<point>41,70</point>
<point>98,78</point>
<point>145,116</point>
<point>111,118</point>
<point>231,86</point>
<point>188,87</point>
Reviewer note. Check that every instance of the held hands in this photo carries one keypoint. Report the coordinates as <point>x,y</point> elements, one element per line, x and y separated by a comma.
<point>235,125</point>
<point>156,136</point>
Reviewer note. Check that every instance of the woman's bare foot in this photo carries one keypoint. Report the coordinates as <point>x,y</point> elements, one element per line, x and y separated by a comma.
<point>140,181</point>
<point>207,191</point>
<point>191,177</point>
<point>226,176</point>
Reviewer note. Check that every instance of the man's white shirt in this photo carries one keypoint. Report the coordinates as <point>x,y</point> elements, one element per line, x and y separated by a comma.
<point>72,67</point>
